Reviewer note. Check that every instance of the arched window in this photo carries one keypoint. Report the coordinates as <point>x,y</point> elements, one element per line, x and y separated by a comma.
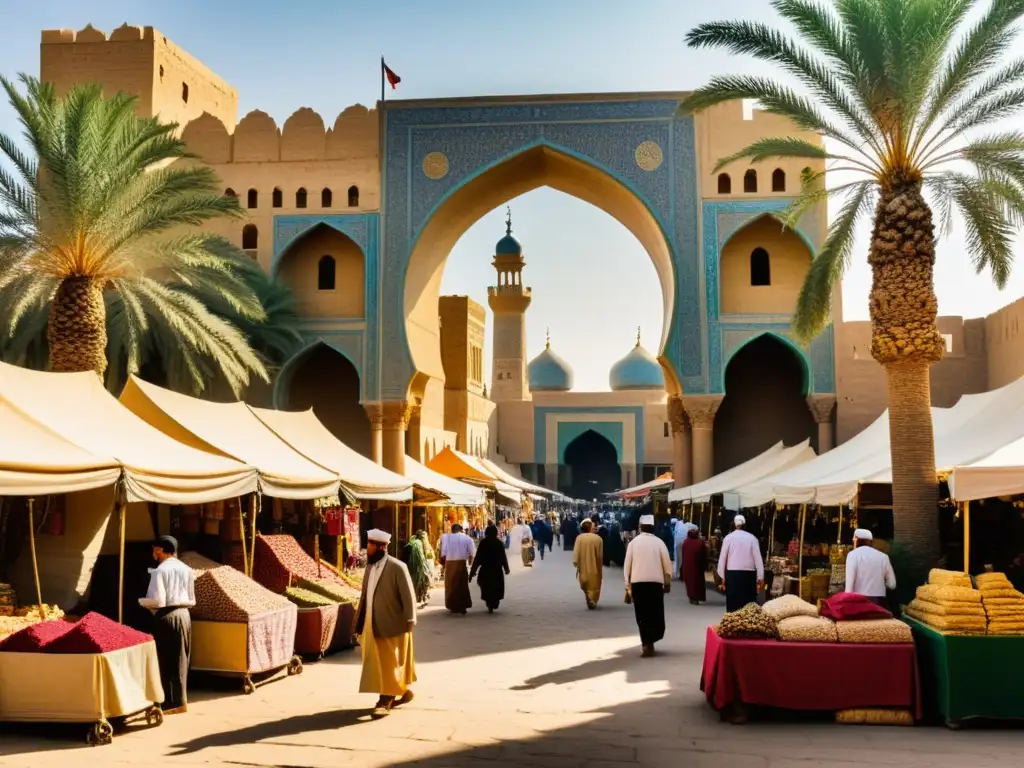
<point>300,198</point>
<point>750,181</point>
<point>760,267</point>
<point>184,92</point>
<point>326,198</point>
<point>724,184</point>
<point>778,180</point>
<point>276,198</point>
<point>250,237</point>
<point>325,273</point>
<point>229,192</point>
<point>253,199</point>
<point>353,196</point>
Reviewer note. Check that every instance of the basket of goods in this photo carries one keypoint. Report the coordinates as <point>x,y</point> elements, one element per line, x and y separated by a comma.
<point>748,622</point>
<point>239,628</point>
<point>1003,605</point>
<point>115,668</point>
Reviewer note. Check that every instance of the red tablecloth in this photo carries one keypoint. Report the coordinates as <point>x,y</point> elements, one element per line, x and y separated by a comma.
<point>809,676</point>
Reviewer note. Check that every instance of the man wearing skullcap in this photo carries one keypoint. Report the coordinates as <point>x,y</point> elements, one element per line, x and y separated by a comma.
<point>384,624</point>
<point>868,571</point>
<point>740,566</point>
<point>171,593</point>
<point>648,574</point>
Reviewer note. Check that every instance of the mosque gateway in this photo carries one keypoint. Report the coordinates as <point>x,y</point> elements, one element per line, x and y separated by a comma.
<point>358,218</point>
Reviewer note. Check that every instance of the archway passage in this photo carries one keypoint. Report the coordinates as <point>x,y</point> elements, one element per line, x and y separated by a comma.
<point>535,167</point>
<point>327,382</point>
<point>766,387</point>
<point>592,465</point>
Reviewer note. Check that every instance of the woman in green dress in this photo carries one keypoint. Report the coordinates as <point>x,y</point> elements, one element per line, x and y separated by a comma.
<point>421,566</point>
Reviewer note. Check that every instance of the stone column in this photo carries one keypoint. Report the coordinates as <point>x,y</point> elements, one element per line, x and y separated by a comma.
<point>682,442</point>
<point>396,420</point>
<point>376,413</point>
<point>414,439</point>
<point>701,410</point>
<point>629,475</point>
<point>822,407</point>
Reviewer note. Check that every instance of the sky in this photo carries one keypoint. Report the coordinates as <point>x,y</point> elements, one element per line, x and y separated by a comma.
<point>593,283</point>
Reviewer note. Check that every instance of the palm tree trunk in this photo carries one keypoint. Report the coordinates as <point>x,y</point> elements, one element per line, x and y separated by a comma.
<point>77,328</point>
<point>906,341</point>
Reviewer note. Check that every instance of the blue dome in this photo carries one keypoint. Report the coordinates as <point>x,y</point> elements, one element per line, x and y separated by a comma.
<point>508,246</point>
<point>549,373</point>
<point>637,370</point>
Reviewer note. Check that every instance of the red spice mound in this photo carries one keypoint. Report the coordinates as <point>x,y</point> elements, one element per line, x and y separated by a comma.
<point>281,563</point>
<point>95,633</point>
<point>35,638</point>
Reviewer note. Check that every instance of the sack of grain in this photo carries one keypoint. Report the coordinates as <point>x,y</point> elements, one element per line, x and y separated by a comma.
<point>939,594</point>
<point>788,605</point>
<point>874,717</point>
<point>984,579</point>
<point>944,578</point>
<point>807,629</point>
<point>961,625</point>
<point>947,609</point>
<point>748,622</point>
<point>874,631</point>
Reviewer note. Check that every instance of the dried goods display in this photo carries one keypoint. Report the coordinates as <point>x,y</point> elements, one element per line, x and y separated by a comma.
<point>944,578</point>
<point>748,622</point>
<point>334,591</point>
<point>95,633</point>
<point>874,717</point>
<point>947,609</point>
<point>305,598</point>
<point>281,562</point>
<point>948,606</point>
<point>874,631</point>
<point>807,629</point>
<point>788,605</point>
<point>226,594</point>
<point>946,594</point>
<point>1003,605</point>
<point>50,612</point>
<point>34,637</point>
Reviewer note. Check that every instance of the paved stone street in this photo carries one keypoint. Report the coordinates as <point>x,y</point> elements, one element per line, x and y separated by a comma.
<point>542,683</point>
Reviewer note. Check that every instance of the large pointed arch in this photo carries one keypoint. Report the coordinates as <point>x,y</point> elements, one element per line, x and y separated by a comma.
<point>539,164</point>
<point>283,380</point>
<point>799,353</point>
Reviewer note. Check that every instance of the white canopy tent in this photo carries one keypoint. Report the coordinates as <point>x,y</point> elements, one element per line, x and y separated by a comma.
<point>644,488</point>
<point>775,459</point>
<point>231,430</point>
<point>304,432</point>
<point>459,494</point>
<point>156,467</point>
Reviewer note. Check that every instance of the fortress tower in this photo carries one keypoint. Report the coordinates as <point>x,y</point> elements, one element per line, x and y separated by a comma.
<point>509,300</point>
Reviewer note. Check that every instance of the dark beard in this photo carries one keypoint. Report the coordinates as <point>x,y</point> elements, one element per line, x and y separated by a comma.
<point>376,557</point>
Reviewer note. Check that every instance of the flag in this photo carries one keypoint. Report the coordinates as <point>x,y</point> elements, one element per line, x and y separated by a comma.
<point>392,77</point>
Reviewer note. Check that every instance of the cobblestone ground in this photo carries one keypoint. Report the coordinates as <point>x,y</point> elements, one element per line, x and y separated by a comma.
<point>542,683</point>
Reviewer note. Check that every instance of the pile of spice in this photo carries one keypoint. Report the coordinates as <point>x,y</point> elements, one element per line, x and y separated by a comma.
<point>95,633</point>
<point>281,563</point>
<point>226,594</point>
<point>35,637</point>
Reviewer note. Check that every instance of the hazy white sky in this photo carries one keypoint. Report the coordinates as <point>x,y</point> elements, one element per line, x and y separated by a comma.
<point>593,283</point>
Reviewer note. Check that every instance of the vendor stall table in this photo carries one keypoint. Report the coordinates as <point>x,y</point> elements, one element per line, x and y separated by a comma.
<point>263,645</point>
<point>809,676</point>
<point>82,688</point>
<point>970,676</point>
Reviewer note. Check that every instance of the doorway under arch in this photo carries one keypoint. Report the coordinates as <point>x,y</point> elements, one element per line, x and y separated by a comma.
<point>592,465</point>
<point>537,166</point>
<point>766,388</point>
<point>324,380</point>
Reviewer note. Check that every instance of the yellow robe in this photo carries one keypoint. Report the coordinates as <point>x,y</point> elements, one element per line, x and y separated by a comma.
<point>588,557</point>
<point>389,665</point>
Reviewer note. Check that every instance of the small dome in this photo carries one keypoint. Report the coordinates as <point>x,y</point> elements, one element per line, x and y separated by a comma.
<point>508,245</point>
<point>637,370</point>
<point>549,372</point>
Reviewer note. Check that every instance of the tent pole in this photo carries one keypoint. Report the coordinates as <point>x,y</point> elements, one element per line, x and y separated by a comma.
<point>967,537</point>
<point>252,523</point>
<point>35,561</point>
<point>241,530</point>
<point>839,529</point>
<point>120,563</point>
<point>800,567</point>
<point>771,535</point>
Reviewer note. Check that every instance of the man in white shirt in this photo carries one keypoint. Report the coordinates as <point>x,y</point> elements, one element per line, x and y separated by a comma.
<point>171,593</point>
<point>648,574</point>
<point>740,566</point>
<point>457,551</point>
<point>868,571</point>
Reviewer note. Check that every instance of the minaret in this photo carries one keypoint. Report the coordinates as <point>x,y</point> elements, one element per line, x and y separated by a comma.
<point>509,300</point>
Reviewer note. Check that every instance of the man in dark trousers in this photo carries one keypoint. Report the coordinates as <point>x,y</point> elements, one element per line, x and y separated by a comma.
<point>171,593</point>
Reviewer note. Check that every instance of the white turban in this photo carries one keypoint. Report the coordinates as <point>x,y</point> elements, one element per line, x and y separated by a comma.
<point>381,537</point>
<point>646,519</point>
<point>863,534</point>
<point>739,520</point>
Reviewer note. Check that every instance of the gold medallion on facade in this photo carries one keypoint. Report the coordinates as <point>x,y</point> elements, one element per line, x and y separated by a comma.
<point>648,156</point>
<point>435,165</point>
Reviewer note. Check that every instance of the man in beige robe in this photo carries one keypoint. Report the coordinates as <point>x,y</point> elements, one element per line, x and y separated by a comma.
<point>384,624</point>
<point>588,557</point>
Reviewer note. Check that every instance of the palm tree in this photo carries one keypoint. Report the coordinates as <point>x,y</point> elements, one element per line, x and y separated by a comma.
<point>98,224</point>
<point>899,90</point>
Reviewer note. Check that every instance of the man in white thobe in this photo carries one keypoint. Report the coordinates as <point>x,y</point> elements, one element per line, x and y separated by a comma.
<point>740,566</point>
<point>648,574</point>
<point>868,571</point>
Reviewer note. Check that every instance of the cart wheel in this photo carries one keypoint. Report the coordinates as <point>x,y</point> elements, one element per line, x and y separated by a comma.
<point>154,716</point>
<point>295,666</point>
<point>100,734</point>
<point>248,687</point>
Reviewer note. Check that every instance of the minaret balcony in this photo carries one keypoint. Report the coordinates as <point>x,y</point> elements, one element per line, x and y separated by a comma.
<point>509,290</point>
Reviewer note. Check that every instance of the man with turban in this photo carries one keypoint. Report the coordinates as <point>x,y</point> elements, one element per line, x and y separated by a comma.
<point>384,624</point>
<point>868,571</point>
<point>741,566</point>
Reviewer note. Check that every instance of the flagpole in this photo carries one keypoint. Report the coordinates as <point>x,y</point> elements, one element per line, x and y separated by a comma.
<point>382,79</point>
